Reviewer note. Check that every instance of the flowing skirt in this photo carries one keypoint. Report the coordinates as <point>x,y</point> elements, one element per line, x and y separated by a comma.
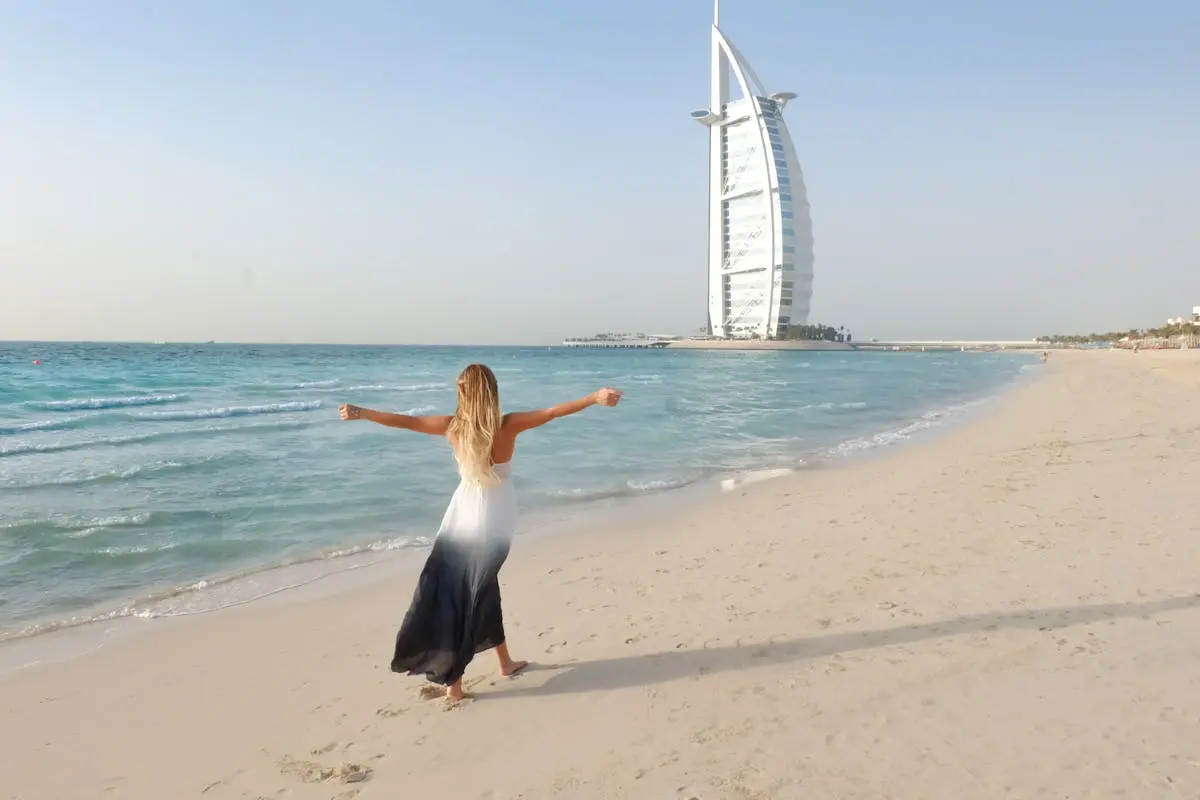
<point>455,610</point>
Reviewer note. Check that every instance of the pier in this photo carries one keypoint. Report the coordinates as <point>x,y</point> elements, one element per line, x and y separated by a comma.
<point>617,344</point>
<point>638,342</point>
<point>677,343</point>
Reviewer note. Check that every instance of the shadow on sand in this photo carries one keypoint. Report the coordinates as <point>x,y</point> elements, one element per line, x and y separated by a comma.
<point>644,670</point>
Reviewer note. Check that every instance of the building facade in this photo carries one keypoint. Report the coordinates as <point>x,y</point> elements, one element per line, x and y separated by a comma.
<point>760,243</point>
<point>1194,319</point>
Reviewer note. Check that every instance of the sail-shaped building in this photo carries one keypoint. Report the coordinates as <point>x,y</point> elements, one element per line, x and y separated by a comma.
<point>760,243</point>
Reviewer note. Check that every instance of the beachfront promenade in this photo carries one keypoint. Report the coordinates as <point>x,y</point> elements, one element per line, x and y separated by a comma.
<point>955,344</point>
<point>1006,609</point>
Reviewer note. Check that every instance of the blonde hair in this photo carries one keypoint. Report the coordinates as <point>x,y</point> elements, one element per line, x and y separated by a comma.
<point>476,423</point>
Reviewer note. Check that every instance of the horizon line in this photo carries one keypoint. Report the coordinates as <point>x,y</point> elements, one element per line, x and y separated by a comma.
<point>301,343</point>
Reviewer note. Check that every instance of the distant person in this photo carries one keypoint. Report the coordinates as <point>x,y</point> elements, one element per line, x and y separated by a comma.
<point>455,611</point>
<point>1045,356</point>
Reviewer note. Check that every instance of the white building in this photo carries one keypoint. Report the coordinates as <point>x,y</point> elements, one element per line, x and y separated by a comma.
<point>760,244</point>
<point>1194,319</point>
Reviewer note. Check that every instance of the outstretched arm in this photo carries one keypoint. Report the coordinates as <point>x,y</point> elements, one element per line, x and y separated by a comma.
<point>524,420</point>
<point>434,426</point>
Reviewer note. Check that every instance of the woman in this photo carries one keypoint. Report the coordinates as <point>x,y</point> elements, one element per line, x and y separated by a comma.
<point>455,611</point>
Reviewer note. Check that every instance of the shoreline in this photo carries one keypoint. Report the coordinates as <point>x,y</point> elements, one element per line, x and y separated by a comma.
<point>1006,610</point>
<point>90,628</point>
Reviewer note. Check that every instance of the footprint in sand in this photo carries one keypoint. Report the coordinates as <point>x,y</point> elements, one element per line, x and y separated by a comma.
<point>312,772</point>
<point>387,712</point>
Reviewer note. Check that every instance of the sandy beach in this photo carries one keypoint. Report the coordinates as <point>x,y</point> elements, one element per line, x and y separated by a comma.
<point>1010,609</point>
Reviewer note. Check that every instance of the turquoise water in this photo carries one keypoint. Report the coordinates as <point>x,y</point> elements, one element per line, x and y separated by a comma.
<point>127,470</point>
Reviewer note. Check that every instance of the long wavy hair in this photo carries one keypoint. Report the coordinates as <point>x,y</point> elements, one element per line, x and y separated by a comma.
<point>476,423</point>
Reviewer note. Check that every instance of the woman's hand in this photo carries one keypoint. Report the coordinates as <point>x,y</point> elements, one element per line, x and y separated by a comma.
<point>350,412</point>
<point>607,396</point>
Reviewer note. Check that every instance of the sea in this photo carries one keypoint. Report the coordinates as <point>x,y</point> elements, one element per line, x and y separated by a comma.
<point>138,479</point>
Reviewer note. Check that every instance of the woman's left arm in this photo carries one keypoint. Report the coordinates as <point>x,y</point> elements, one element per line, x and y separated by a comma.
<point>433,425</point>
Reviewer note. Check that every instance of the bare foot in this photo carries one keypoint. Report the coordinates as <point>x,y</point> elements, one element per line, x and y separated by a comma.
<point>454,692</point>
<point>454,701</point>
<point>508,666</point>
<point>512,668</point>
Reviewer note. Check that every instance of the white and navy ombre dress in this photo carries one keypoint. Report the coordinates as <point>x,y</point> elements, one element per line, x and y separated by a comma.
<point>455,611</point>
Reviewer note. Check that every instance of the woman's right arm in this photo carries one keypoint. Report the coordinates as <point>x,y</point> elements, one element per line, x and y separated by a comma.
<point>524,420</point>
<point>434,425</point>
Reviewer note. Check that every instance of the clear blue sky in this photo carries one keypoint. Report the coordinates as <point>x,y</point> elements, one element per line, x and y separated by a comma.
<point>480,171</point>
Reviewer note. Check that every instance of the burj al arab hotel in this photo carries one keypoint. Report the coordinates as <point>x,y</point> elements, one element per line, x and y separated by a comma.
<point>760,243</point>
